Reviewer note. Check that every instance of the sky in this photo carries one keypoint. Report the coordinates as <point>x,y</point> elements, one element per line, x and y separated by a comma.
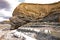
<point>7,6</point>
<point>41,1</point>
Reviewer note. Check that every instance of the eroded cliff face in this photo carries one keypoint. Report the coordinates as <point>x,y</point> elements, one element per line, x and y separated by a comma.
<point>28,12</point>
<point>35,10</point>
<point>32,22</point>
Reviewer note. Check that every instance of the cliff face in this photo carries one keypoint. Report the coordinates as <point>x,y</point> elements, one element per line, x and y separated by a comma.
<point>35,10</point>
<point>28,12</point>
<point>32,22</point>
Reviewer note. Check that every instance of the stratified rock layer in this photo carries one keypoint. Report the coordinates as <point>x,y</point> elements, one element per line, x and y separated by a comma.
<point>25,34</point>
<point>28,12</point>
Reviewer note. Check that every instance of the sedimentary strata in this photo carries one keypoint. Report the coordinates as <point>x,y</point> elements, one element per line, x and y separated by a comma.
<point>28,12</point>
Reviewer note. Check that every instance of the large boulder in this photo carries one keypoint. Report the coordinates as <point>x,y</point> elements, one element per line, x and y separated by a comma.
<point>28,12</point>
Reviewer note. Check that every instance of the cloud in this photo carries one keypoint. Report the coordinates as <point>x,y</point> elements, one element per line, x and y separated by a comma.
<point>1,15</point>
<point>4,5</point>
<point>7,5</point>
<point>5,13</point>
<point>2,19</point>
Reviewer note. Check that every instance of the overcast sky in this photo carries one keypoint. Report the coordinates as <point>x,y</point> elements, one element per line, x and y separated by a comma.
<point>7,6</point>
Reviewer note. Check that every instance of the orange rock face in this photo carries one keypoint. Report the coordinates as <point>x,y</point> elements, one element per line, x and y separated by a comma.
<point>29,12</point>
<point>35,10</point>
